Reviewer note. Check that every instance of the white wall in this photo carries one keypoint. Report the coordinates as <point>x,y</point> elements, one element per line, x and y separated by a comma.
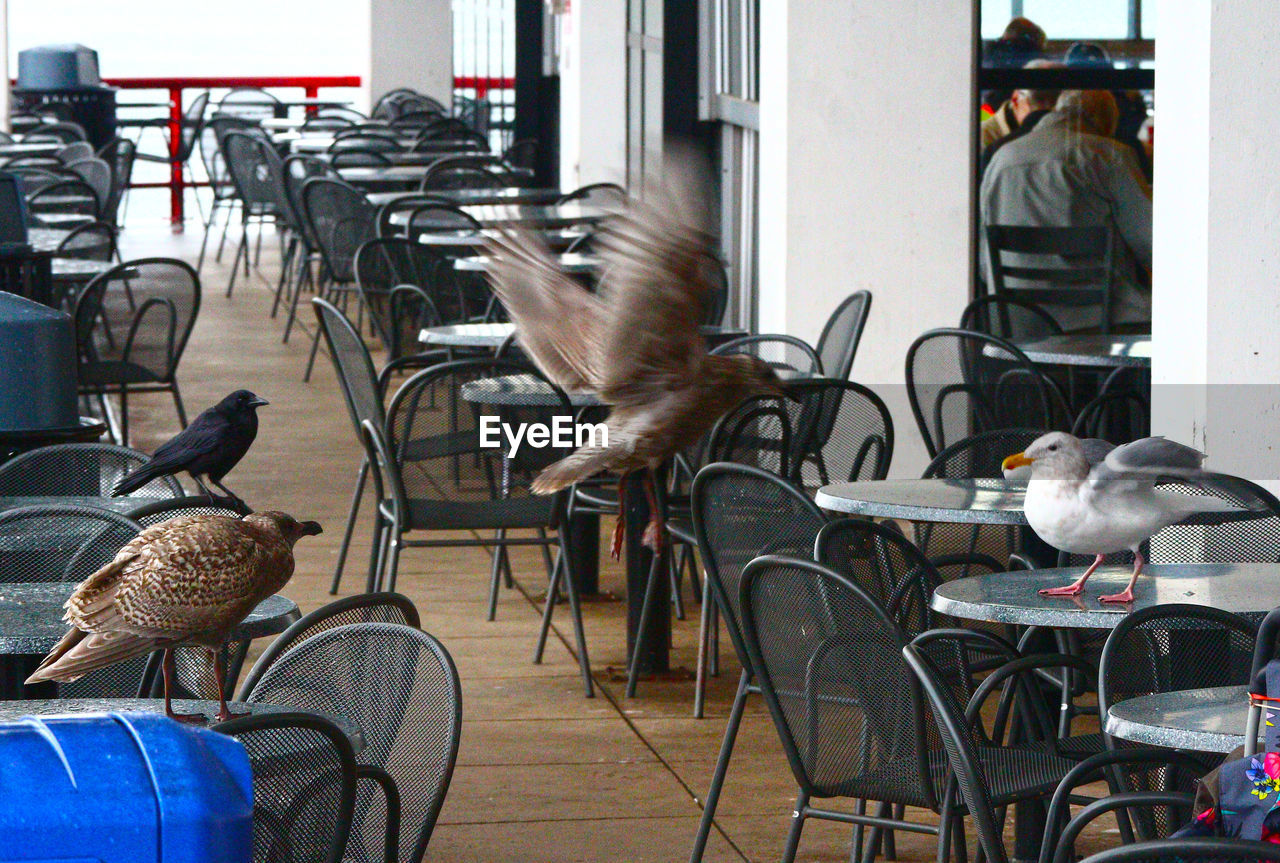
<point>411,45</point>
<point>1216,267</point>
<point>593,93</point>
<point>865,158</point>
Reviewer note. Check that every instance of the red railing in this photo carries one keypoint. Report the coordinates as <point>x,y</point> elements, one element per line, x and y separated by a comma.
<point>481,85</point>
<point>177,185</point>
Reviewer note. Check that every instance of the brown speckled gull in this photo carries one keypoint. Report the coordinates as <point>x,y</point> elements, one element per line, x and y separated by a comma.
<point>186,581</point>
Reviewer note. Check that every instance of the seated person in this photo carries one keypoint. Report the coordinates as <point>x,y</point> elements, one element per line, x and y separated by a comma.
<point>1069,172</point>
<point>1027,107</point>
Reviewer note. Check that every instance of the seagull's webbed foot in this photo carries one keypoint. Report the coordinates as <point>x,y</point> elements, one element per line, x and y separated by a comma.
<point>1126,595</point>
<point>1076,587</point>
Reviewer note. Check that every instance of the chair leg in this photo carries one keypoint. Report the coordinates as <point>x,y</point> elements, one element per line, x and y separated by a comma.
<point>226,227</point>
<point>304,273</point>
<point>704,647</point>
<point>179,406</point>
<point>392,565</point>
<point>548,609</point>
<point>797,824</point>
<point>722,767</point>
<point>677,594</point>
<point>352,512</point>
<point>646,611</point>
<point>241,249</point>
<point>204,243</point>
<point>376,552</point>
<point>286,270</point>
<point>495,579</point>
<point>575,609</point>
<point>124,416</point>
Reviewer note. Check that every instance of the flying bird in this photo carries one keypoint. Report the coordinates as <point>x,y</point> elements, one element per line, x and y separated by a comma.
<point>635,343</point>
<point>186,581</point>
<point>210,447</point>
<point>1109,503</point>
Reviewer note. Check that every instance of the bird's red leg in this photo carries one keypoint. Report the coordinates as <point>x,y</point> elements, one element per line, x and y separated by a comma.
<point>653,534</point>
<point>224,712</point>
<point>166,666</point>
<point>619,529</point>
<point>1077,586</point>
<point>1126,595</point>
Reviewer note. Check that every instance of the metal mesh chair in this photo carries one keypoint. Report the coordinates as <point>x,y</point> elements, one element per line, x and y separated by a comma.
<point>120,155</point>
<point>596,194</point>
<point>1127,772</point>
<point>95,241</point>
<point>63,132</point>
<point>1067,270</point>
<point>1172,647</point>
<point>249,103</point>
<point>132,325</point>
<point>210,137</point>
<point>386,264</point>
<point>961,382</point>
<point>785,354</point>
<point>81,469</point>
<point>97,175</point>
<point>255,179</point>
<point>1189,851</point>
<point>838,343</point>
<point>341,220</point>
<point>74,152</point>
<point>462,177</point>
<point>739,513</point>
<point>841,432</point>
<point>304,785</point>
<point>829,663</point>
<point>390,221</point>
<point>304,249</point>
<point>155,512</point>
<point>360,608</point>
<point>1010,319</point>
<point>65,544</point>
<point>189,132</point>
<point>64,203</point>
<point>433,473</point>
<point>400,686</point>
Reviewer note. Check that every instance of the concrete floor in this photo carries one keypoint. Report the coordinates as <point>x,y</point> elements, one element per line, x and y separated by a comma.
<point>543,773</point>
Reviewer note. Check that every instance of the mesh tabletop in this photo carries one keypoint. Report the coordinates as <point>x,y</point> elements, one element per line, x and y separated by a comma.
<point>1202,720</point>
<point>1013,597</point>
<point>31,617</point>
<point>462,197</point>
<point>11,710</point>
<point>955,501</point>
<point>528,215</point>
<point>46,239</point>
<point>467,335</point>
<point>122,505</point>
<point>1096,351</point>
<point>77,269</point>
<point>520,390</point>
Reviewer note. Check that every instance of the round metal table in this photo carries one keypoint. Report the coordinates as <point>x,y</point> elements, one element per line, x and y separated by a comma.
<point>121,505</point>
<point>955,501</point>
<point>1092,351</point>
<point>467,335</point>
<point>46,239</point>
<point>1202,720</point>
<point>520,391</point>
<point>31,617</point>
<point>12,710</point>
<point>463,197</point>
<point>469,242</point>
<point>75,270</point>
<point>544,216</point>
<point>1013,597</point>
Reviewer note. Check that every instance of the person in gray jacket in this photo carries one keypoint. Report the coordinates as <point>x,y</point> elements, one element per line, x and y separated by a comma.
<point>1070,172</point>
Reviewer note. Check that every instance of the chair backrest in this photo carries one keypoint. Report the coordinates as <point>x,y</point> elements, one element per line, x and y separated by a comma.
<point>341,220</point>
<point>962,756</point>
<point>402,204</point>
<point>1062,269</point>
<point>382,607</point>
<point>1171,647</point>
<point>739,513</point>
<point>841,432</point>
<point>210,136</point>
<point>385,263</point>
<point>94,241</point>
<point>400,686</point>
<point>75,151</point>
<point>961,382</point>
<point>838,343</point>
<point>757,432</point>
<point>251,174</point>
<point>119,154</point>
<point>1010,319</point>
<point>250,103</point>
<point>598,194</point>
<point>462,177</point>
<point>304,785</point>
<point>351,360</point>
<point>431,218</point>
<point>436,421</point>
<point>192,121</point>
<point>63,131</point>
<point>828,661</point>
<point>80,469</point>
<point>148,306</point>
<point>65,196</point>
<point>979,456</point>
<point>885,564</point>
<point>295,171</point>
<point>359,157</point>
<point>60,542</point>
<point>154,513</point>
<point>97,174</point>
<point>784,353</point>
<point>365,140</point>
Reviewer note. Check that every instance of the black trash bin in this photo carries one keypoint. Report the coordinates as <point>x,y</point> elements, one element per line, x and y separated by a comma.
<point>65,77</point>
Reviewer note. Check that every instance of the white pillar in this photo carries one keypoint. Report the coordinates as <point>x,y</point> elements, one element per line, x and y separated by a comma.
<point>4,65</point>
<point>866,133</point>
<point>1216,266</point>
<point>411,45</point>
<point>593,93</point>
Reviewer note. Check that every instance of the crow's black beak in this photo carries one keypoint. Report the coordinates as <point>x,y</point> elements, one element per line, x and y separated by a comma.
<point>310,528</point>
<point>258,401</point>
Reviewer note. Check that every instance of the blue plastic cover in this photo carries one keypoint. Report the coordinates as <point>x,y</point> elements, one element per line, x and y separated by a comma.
<point>122,788</point>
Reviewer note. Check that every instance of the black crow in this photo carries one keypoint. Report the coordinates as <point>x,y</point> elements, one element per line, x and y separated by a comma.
<point>209,447</point>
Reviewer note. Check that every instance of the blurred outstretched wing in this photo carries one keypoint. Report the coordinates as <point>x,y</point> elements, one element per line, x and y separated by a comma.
<point>657,277</point>
<point>559,323</point>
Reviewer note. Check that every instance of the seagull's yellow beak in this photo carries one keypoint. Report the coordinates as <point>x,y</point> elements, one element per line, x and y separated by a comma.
<point>1015,460</point>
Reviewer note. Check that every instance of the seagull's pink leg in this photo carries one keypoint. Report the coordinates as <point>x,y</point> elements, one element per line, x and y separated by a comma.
<point>224,712</point>
<point>166,666</point>
<point>653,534</point>
<point>1126,595</point>
<point>620,528</point>
<point>1076,587</point>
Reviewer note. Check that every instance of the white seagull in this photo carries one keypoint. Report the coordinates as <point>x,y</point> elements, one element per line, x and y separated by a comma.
<point>1083,500</point>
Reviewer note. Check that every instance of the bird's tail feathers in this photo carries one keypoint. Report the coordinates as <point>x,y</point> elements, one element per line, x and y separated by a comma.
<point>581,465</point>
<point>134,480</point>
<point>80,652</point>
